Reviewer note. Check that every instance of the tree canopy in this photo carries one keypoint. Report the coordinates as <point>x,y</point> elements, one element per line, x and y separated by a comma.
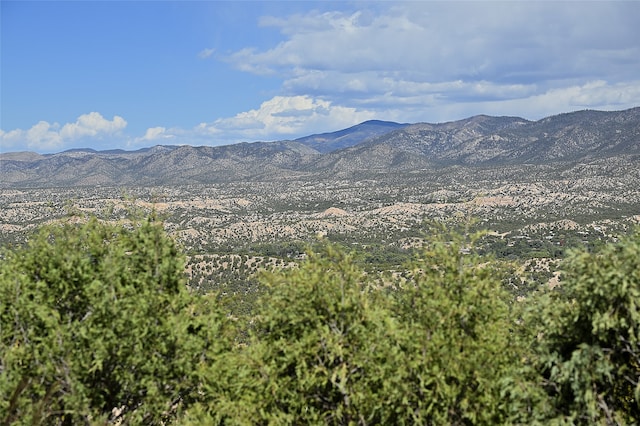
<point>590,346</point>
<point>97,326</point>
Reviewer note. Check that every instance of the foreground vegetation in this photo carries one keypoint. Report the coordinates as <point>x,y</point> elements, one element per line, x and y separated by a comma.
<point>97,326</point>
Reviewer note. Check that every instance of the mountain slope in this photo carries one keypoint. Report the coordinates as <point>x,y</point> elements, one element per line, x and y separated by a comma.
<point>484,140</point>
<point>370,147</point>
<point>327,142</point>
<point>156,166</point>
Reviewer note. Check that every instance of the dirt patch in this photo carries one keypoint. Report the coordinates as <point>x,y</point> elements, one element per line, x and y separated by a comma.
<point>333,212</point>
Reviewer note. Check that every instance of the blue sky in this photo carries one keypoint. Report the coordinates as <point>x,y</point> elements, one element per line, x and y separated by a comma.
<point>131,74</point>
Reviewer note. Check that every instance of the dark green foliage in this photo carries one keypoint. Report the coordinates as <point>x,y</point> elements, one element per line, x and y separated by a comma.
<point>327,348</point>
<point>322,344</point>
<point>97,325</point>
<point>591,337</point>
<point>459,345</point>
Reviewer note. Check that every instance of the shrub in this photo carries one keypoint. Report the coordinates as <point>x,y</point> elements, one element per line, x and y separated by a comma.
<point>591,336</point>
<point>96,325</point>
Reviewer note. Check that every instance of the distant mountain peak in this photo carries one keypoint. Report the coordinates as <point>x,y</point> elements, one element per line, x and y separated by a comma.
<point>382,123</point>
<point>351,136</point>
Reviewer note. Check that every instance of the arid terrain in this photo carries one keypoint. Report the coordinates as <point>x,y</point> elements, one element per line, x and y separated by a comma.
<point>230,230</point>
<point>537,188</point>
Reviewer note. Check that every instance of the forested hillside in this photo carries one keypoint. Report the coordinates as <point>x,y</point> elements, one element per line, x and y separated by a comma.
<point>98,326</point>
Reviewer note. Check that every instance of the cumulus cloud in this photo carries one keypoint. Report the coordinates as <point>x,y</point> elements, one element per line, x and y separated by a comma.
<point>45,136</point>
<point>92,125</point>
<point>283,117</point>
<point>40,136</point>
<point>439,53</point>
<point>156,133</point>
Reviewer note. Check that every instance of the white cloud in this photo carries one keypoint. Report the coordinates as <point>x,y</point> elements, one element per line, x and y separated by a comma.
<point>283,117</point>
<point>461,56</point>
<point>41,136</point>
<point>607,96</point>
<point>155,133</point>
<point>45,136</point>
<point>92,125</point>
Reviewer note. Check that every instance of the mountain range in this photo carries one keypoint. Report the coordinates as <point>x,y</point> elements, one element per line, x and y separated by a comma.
<point>369,147</point>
